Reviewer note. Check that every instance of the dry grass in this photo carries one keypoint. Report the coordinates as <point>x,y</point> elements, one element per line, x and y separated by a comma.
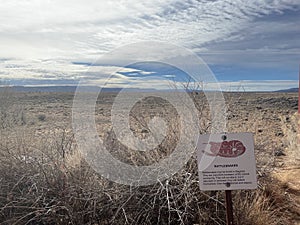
<point>255,208</point>
<point>44,180</point>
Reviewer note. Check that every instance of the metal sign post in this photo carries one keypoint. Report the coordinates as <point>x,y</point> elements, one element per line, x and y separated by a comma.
<point>298,119</point>
<point>229,208</point>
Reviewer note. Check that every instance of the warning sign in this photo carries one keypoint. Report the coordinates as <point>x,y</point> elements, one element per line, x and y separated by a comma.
<point>226,161</point>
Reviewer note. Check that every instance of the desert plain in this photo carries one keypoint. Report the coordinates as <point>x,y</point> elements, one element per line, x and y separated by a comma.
<point>46,180</point>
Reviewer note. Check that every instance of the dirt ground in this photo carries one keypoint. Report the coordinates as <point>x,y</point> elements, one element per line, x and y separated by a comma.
<point>267,115</point>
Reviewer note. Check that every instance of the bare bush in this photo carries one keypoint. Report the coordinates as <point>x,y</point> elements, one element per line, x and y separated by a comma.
<point>41,117</point>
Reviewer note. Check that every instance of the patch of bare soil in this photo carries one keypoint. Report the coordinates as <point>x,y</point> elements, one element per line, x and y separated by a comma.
<point>289,176</point>
<point>289,173</point>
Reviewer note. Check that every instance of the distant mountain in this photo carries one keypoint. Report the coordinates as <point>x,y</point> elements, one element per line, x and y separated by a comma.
<point>289,90</point>
<point>69,89</point>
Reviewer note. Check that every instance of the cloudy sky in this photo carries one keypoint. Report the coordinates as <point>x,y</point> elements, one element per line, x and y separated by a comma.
<point>248,44</point>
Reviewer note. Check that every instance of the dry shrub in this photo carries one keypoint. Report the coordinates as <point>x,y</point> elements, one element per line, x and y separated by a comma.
<point>40,186</point>
<point>254,208</point>
<point>52,189</point>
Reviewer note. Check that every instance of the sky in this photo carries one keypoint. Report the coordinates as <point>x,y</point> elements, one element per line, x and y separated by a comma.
<point>249,45</point>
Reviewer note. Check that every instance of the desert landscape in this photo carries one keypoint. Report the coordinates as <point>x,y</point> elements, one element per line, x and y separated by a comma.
<point>45,180</point>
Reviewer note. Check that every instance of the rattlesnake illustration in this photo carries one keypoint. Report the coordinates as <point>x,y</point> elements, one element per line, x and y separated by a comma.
<point>227,149</point>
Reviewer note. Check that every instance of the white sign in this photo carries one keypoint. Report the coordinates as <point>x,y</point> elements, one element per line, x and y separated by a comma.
<point>226,161</point>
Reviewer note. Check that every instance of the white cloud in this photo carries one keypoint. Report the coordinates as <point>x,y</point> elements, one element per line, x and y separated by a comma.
<point>254,85</point>
<point>72,28</point>
<point>65,31</point>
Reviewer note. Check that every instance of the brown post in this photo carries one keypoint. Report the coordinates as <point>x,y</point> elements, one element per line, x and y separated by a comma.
<point>298,119</point>
<point>229,208</point>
